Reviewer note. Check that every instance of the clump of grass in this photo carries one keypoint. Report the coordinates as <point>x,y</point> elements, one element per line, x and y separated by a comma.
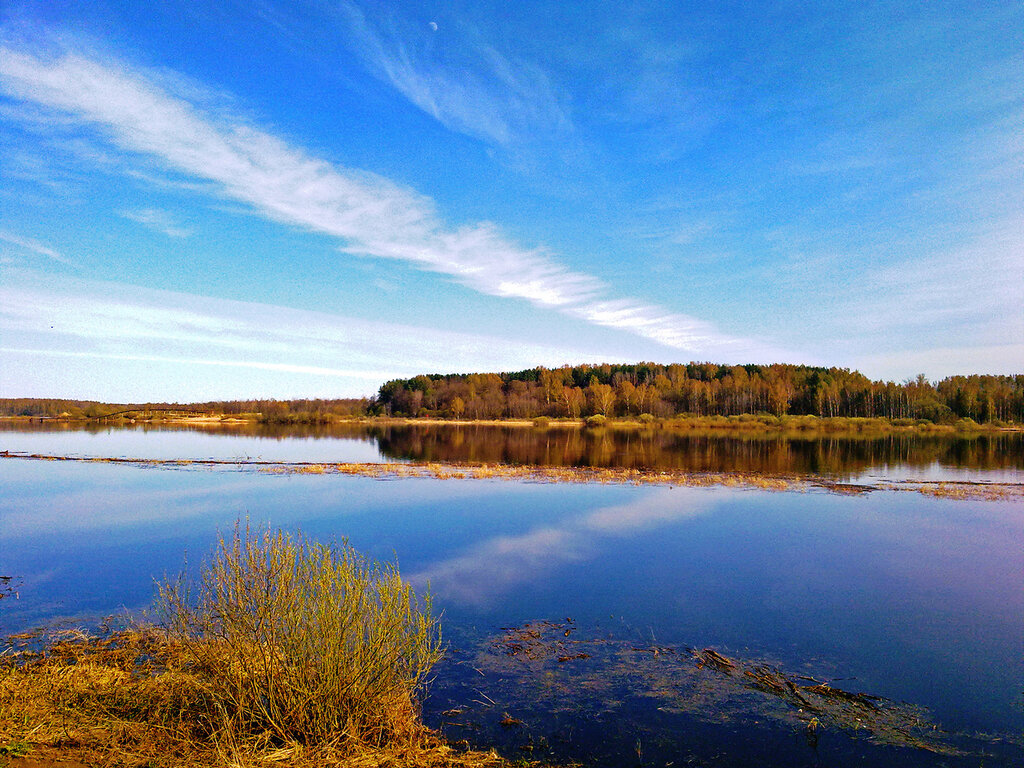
<point>305,642</point>
<point>283,650</point>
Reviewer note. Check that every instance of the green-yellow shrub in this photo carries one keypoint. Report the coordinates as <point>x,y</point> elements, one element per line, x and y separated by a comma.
<point>303,642</point>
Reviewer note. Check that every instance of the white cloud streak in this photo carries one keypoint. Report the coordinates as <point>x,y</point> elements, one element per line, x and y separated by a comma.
<point>94,321</point>
<point>34,246</point>
<point>672,330</point>
<point>158,220</point>
<point>468,86</point>
<point>371,376</point>
<point>370,214</point>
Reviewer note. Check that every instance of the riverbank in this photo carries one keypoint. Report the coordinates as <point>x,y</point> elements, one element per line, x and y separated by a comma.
<point>283,651</point>
<point>132,698</point>
<point>121,700</point>
<point>744,424</point>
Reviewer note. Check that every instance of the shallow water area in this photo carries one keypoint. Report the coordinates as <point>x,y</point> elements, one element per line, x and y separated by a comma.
<point>895,595</point>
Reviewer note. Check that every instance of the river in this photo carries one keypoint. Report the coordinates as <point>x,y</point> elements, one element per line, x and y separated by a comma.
<point>578,614</point>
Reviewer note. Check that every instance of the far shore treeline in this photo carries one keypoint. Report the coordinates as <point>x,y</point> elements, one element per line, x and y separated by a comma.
<point>611,391</point>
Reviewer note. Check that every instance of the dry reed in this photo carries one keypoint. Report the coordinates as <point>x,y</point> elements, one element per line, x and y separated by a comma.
<point>284,652</point>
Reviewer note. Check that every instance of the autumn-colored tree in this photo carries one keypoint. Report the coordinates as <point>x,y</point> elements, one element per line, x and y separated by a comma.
<point>600,396</point>
<point>457,407</point>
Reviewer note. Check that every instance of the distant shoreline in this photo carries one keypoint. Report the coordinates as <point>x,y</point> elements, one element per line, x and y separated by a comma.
<point>743,424</point>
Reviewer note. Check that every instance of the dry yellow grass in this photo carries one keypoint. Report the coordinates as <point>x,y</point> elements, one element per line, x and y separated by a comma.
<point>287,652</point>
<point>552,474</point>
<point>976,491</point>
<point>107,702</point>
<point>129,699</point>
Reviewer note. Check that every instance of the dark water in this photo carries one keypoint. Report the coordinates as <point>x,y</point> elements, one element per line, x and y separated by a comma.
<point>915,599</point>
<point>989,457</point>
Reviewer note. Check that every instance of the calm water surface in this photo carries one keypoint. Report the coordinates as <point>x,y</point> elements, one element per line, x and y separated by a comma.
<point>984,457</point>
<point>899,595</point>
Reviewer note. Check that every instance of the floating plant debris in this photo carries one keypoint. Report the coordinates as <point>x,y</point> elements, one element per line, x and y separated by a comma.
<point>8,587</point>
<point>530,661</point>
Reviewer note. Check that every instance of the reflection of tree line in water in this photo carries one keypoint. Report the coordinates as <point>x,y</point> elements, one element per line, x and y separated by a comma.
<point>636,448</point>
<point>271,431</point>
<point>648,449</point>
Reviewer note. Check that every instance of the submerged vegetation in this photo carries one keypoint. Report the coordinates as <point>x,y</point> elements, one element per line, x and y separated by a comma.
<point>286,651</point>
<point>7,589</point>
<point>705,682</point>
<point>562,667</point>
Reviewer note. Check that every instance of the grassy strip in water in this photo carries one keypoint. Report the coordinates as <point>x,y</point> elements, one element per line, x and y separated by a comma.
<point>285,652</point>
<point>565,474</point>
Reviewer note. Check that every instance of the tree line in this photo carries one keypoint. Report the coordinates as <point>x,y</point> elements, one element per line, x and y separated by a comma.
<point>700,389</point>
<point>750,452</point>
<point>630,391</point>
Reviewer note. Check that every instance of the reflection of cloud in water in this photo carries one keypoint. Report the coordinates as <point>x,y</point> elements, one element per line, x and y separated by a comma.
<point>502,562</point>
<point>666,505</point>
<point>495,566</point>
<point>111,509</point>
<point>118,499</point>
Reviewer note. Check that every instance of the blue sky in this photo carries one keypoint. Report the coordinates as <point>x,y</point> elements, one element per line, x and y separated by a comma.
<point>300,199</point>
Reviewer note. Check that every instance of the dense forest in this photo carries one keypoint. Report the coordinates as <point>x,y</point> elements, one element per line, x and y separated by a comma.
<point>701,389</point>
<point>696,389</point>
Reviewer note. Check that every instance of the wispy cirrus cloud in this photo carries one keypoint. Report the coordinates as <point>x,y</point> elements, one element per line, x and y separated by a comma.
<point>961,311</point>
<point>93,316</point>
<point>34,246</point>
<point>158,220</point>
<point>90,323</point>
<point>372,214</point>
<point>191,361</point>
<point>369,213</point>
<point>468,85</point>
<point>672,330</point>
